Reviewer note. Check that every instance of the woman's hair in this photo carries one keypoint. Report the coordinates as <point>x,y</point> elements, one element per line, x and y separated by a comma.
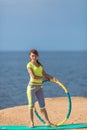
<point>36,53</point>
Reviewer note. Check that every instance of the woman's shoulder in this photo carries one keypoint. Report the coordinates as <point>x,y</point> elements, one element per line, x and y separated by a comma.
<point>29,64</point>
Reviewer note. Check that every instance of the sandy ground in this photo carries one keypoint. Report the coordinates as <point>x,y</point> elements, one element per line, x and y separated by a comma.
<point>56,108</point>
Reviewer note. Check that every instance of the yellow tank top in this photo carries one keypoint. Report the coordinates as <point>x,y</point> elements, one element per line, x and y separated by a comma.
<point>38,71</point>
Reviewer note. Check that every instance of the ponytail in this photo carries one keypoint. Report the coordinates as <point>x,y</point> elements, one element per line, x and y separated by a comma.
<point>39,63</point>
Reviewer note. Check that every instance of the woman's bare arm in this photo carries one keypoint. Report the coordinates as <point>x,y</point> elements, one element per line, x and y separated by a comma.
<point>47,75</point>
<point>33,75</point>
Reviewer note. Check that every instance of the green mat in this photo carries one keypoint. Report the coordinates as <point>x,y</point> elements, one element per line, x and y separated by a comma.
<point>63,127</point>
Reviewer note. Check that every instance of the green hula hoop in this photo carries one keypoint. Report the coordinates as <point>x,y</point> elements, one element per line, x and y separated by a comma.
<point>69,105</point>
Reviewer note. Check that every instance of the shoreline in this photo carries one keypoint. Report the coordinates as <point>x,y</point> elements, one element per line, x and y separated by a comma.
<point>56,109</point>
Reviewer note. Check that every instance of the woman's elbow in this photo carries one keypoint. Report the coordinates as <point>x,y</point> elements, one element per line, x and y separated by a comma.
<point>32,76</point>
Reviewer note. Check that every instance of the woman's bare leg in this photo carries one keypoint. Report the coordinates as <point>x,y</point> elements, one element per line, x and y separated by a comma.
<point>31,117</point>
<point>44,112</point>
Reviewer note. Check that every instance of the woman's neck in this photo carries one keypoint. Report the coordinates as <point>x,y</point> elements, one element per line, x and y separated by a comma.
<point>35,63</point>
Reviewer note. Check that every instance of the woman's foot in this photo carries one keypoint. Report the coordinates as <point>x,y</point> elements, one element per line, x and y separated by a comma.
<point>48,123</point>
<point>32,125</point>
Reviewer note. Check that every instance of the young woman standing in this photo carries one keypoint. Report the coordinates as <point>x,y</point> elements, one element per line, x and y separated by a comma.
<point>37,74</point>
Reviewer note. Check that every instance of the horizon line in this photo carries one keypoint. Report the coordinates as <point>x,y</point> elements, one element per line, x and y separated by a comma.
<point>44,50</point>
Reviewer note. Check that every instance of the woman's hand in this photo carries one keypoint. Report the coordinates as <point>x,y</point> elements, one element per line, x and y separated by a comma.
<point>45,78</point>
<point>55,79</point>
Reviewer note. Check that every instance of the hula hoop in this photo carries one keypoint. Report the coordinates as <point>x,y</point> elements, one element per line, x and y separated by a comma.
<point>69,105</point>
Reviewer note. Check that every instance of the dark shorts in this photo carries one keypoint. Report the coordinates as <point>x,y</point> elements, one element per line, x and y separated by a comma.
<point>35,91</point>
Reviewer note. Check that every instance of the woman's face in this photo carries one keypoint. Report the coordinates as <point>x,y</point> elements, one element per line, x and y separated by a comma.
<point>33,57</point>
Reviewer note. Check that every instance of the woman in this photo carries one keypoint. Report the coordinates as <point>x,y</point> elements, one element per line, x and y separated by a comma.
<point>37,74</point>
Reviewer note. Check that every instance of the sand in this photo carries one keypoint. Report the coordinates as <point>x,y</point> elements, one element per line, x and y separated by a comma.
<point>56,109</point>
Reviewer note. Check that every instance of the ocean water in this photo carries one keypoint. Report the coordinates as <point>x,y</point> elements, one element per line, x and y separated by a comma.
<point>69,67</point>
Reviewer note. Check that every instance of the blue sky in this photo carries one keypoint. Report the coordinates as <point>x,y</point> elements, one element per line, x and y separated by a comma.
<point>43,24</point>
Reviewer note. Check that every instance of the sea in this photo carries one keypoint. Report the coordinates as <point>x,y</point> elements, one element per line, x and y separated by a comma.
<point>69,67</point>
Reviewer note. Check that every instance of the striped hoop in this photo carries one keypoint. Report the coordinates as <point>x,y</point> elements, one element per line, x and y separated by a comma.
<point>69,105</point>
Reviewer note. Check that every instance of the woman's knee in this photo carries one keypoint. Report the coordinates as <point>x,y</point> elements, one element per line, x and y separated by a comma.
<point>42,109</point>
